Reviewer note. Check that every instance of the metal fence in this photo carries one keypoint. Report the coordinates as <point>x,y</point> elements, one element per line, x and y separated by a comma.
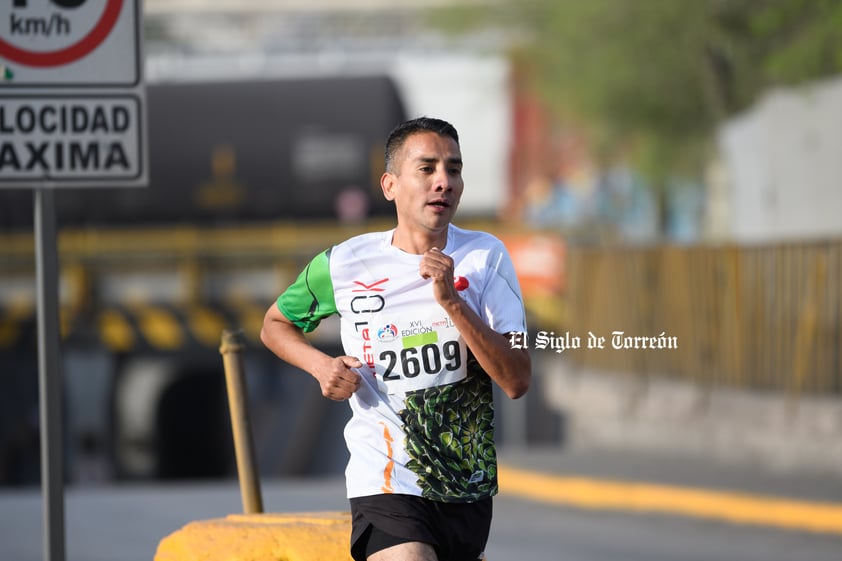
<point>758,317</point>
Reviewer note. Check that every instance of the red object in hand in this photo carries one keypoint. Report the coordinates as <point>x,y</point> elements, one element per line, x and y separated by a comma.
<point>460,283</point>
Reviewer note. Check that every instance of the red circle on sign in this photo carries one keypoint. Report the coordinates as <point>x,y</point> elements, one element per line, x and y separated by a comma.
<point>70,53</point>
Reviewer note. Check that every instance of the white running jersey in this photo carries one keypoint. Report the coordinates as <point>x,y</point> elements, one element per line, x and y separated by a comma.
<point>423,417</point>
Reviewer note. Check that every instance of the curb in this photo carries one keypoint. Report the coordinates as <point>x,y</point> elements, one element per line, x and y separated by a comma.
<point>736,508</point>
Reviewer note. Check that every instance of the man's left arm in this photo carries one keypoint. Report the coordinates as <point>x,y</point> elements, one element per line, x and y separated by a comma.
<point>510,368</point>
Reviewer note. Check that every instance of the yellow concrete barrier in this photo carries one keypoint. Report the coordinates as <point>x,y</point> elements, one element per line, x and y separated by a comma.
<point>315,536</point>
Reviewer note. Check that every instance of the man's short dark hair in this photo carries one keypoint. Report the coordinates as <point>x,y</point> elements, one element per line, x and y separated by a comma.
<point>406,129</point>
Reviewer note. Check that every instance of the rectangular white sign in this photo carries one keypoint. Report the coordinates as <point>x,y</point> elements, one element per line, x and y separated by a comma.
<point>70,138</point>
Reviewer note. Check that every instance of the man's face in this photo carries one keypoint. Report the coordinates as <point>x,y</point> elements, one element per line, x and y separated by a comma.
<point>427,181</point>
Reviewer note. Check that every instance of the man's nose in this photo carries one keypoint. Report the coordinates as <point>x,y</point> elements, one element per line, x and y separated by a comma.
<point>442,181</point>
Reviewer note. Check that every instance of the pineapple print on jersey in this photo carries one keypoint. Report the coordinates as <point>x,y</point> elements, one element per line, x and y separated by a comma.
<point>450,438</point>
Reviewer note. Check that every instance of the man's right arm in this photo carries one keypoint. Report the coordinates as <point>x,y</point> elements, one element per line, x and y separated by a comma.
<point>335,375</point>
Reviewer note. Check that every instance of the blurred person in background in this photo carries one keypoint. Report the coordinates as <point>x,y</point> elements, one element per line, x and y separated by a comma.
<point>426,312</point>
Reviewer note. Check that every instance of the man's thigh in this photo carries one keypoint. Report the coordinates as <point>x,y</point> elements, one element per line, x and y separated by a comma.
<point>409,551</point>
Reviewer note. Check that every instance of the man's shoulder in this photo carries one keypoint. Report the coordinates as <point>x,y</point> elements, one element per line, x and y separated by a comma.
<point>357,249</point>
<point>366,240</point>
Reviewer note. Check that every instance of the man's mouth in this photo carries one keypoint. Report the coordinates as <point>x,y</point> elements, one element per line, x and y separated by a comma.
<point>439,203</point>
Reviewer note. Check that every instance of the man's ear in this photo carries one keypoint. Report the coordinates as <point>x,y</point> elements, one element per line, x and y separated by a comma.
<point>388,183</point>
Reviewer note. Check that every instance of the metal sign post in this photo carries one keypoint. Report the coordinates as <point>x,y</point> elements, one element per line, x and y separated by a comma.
<point>71,115</point>
<point>49,379</point>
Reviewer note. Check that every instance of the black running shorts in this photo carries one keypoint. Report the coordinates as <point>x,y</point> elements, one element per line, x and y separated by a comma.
<point>457,531</point>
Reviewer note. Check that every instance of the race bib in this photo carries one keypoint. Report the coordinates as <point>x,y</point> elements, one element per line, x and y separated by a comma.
<point>418,354</point>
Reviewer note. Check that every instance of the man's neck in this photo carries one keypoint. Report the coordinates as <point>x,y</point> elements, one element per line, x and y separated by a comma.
<point>418,242</point>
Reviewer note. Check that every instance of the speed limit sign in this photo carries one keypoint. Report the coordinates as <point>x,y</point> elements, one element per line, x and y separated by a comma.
<point>78,43</point>
<point>71,94</point>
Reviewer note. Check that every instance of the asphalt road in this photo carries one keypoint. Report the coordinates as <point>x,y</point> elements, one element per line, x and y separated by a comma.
<point>126,522</point>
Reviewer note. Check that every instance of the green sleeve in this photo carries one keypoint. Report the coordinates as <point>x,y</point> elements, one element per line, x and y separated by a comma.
<point>310,298</point>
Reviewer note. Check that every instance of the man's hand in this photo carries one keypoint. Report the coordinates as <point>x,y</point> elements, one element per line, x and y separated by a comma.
<point>437,266</point>
<point>337,380</point>
<point>510,368</point>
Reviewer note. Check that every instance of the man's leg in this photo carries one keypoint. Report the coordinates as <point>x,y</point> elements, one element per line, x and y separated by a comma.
<point>409,551</point>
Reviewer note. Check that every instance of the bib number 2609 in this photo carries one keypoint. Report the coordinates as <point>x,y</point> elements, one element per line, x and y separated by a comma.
<point>428,359</point>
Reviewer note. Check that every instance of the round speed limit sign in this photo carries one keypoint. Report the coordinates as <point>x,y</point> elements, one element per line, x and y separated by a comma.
<point>69,42</point>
